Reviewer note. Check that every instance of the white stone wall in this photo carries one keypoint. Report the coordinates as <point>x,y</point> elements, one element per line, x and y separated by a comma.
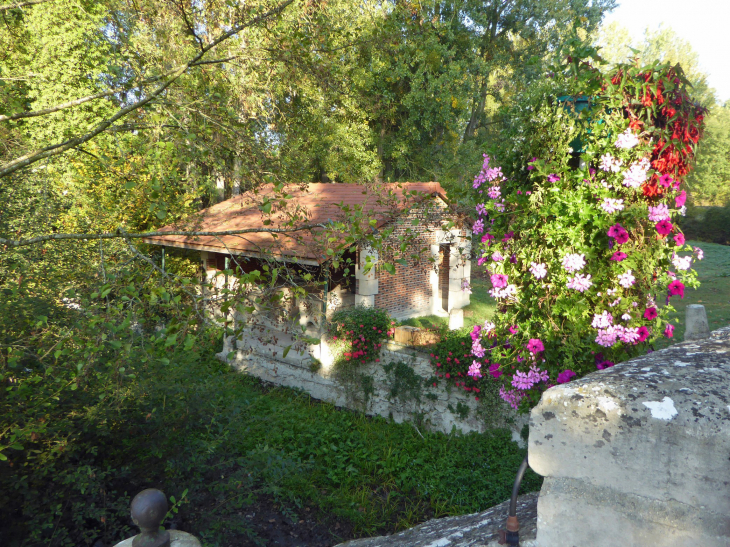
<point>436,412</point>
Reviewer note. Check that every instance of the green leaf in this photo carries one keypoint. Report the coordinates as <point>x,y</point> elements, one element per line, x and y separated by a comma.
<point>389,267</point>
<point>286,351</point>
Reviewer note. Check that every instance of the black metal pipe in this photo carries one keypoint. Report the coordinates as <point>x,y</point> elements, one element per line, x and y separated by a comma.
<point>516,487</point>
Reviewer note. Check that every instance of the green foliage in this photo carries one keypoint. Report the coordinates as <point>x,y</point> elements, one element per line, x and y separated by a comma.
<point>707,224</point>
<point>405,384</point>
<point>709,183</point>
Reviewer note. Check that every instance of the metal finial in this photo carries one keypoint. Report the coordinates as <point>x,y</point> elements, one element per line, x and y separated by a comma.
<point>149,508</point>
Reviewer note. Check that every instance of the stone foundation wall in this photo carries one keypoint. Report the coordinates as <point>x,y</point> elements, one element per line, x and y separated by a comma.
<point>399,386</point>
<point>638,454</point>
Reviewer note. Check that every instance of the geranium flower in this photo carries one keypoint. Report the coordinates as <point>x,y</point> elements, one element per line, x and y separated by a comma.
<point>511,396</point>
<point>635,175</point>
<point>565,376</point>
<point>607,337</point>
<point>664,227</point>
<point>676,287</point>
<point>535,345</point>
<point>475,370</point>
<point>627,140</point>
<point>611,205</point>
<point>669,331</point>
<point>650,314</point>
<point>658,213</point>
<point>478,226</point>
<point>679,238</point>
<point>580,282</point>
<point>494,370</point>
<point>538,270</point>
<point>626,279</point>
<point>618,256</point>
<point>522,381</point>
<point>481,209</point>
<point>626,317</point>
<point>602,321</point>
<point>574,262</point>
<point>682,262</point>
<point>643,334</point>
<point>666,180</point>
<point>680,200</point>
<point>494,192</point>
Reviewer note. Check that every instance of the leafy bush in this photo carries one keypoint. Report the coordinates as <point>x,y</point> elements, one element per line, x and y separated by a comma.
<point>707,224</point>
<point>579,244</point>
<point>357,333</point>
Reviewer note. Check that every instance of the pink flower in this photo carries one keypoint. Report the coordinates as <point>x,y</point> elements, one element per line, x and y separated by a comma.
<point>679,238</point>
<point>535,345</point>
<point>481,209</point>
<point>494,192</point>
<point>607,337</point>
<point>475,370</point>
<point>580,282</point>
<point>622,238</point>
<point>618,256</point>
<point>522,381</point>
<point>676,287</point>
<point>478,226</point>
<point>627,140</point>
<point>497,256</point>
<point>669,331</point>
<point>565,376</point>
<point>619,233</point>
<point>494,370</point>
<point>538,270</point>
<point>611,205</point>
<point>626,279</point>
<point>486,238</point>
<point>643,334</point>
<point>602,321</point>
<point>664,227</point>
<point>529,166</point>
<point>660,212</point>
<point>650,314</point>
<point>680,199</point>
<point>552,177</point>
<point>499,280</point>
<point>513,329</point>
<point>699,253</point>
<point>666,181</point>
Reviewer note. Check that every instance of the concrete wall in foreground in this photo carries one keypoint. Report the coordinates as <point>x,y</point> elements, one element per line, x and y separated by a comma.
<point>400,385</point>
<point>638,454</point>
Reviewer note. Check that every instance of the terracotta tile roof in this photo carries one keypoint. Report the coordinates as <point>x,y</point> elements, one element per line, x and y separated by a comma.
<point>313,203</point>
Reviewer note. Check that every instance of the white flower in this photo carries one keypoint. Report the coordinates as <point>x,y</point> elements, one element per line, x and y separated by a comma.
<point>627,140</point>
<point>626,279</point>
<point>682,262</point>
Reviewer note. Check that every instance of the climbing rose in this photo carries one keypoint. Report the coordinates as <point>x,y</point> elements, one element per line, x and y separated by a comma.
<point>679,238</point>
<point>669,331</point>
<point>626,279</point>
<point>650,314</point>
<point>535,345</point>
<point>664,227</point>
<point>676,287</point>
<point>618,256</point>
<point>565,376</point>
<point>499,280</point>
<point>538,270</point>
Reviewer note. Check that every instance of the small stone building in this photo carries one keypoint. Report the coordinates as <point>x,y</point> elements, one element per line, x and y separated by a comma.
<point>430,281</point>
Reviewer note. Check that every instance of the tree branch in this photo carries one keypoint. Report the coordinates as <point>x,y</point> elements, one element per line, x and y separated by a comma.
<point>23,4</point>
<point>62,147</point>
<point>122,234</point>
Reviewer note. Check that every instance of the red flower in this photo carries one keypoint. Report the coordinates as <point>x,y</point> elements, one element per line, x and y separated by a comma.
<point>643,334</point>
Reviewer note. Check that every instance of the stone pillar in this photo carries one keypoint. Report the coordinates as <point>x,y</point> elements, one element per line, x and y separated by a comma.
<point>696,325</point>
<point>433,279</point>
<point>367,283</point>
<point>460,270</point>
<point>637,454</point>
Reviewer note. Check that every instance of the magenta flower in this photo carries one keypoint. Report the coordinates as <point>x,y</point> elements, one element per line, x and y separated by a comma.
<point>487,238</point>
<point>622,237</point>
<point>679,238</point>
<point>494,370</point>
<point>666,181</point>
<point>664,227</point>
<point>565,376</point>
<point>604,364</point>
<point>650,314</point>
<point>552,177</point>
<point>619,233</point>
<point>643,334</point>
<point>499,280</point>
<point>481,209</point>
<point>478,226</point>
<point>535,345</point>
<point>530,167</point>
<point>676,287</point>
<point>513,329</point>
<point>680,199</point>
<point>669,331</point>
<point>618,256</point>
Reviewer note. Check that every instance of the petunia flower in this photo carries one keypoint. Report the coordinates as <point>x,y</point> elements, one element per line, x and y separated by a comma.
<point>666,180</point>
<point>664,227</point>
<point>618,256</point>
<point>680,200</point>
<point>535,345</point>
<point>552,177</point>
<point>676,287</point>
<point>643,334</point>
<point>499,280</point>
<point>679,238</point>
<point>565,376</point>
<point>650,314</point>
<point>669,331</point>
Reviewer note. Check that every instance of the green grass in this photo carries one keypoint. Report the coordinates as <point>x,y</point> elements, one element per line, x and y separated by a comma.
<point>714,291</point>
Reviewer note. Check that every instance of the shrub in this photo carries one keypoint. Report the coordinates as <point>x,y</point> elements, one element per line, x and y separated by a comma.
<point>582,246</point>
<point>707,224</point>
<point>356,334</point>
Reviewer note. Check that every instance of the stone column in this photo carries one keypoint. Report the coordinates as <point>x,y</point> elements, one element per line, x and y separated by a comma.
<point>367,283</point>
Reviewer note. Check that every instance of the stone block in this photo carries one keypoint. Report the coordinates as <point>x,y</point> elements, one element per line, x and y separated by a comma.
<point>697,327</point>
<point>367,287</point>
<point>647,442</point>
<point>365,300</point>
